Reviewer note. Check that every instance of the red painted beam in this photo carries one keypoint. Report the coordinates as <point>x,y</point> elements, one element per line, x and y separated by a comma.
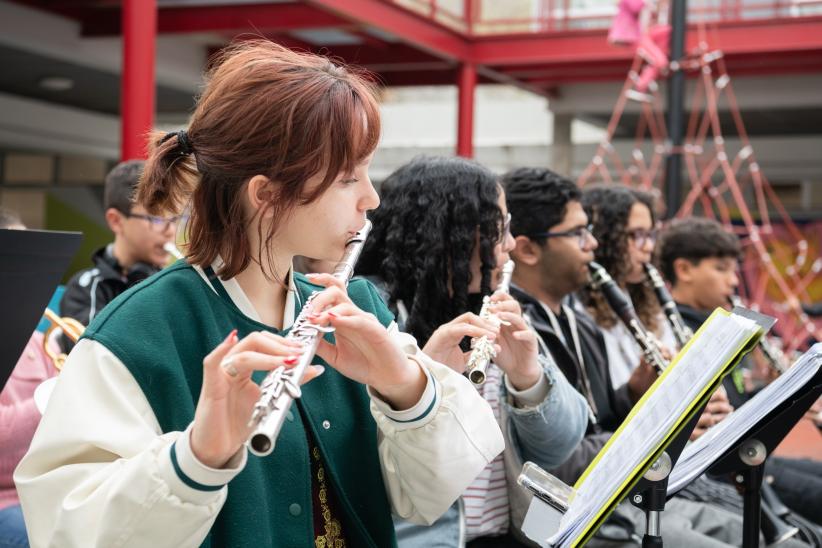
<point>398,54</point>
<point>234,18</point>
<point>407,26</point>
<point>766,36</point>
<point>744,37</point>
<point>544,49</point>
<point>418,78</point>
<point>554,73</point>
<point>137,93</point>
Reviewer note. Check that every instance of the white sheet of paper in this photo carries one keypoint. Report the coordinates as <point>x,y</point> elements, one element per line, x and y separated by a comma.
<point>700,454</point>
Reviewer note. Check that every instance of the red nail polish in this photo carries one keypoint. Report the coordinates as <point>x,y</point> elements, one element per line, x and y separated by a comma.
<point>291,360</point>
<point>232,336</point>
<point>332,314</point>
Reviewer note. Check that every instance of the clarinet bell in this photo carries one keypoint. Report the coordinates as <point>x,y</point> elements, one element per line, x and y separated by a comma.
<point>775,529</point>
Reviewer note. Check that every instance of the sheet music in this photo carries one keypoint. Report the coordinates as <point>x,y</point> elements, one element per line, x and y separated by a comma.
<point>699,455</point>
<point>654,418</point>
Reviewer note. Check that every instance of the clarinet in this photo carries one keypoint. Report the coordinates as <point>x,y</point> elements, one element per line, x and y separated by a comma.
<point>484,351</point>
<point>282,386</point>
<point>600,279</point>
<point>681,331</point>
<point>775,356</point>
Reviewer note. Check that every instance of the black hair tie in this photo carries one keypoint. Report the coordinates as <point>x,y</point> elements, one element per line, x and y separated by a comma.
<point>183,147</point>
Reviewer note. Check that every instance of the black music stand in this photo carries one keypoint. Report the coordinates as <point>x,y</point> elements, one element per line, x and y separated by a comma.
<point>650,493</point>
<point>745,461</point>
<point>31,265</point>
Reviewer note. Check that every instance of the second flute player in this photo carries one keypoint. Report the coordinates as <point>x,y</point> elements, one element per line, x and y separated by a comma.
<point>440,240</point>
<point>143,443</point>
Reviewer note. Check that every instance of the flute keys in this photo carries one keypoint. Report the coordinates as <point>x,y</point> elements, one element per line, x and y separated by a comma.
<point>292,389</point>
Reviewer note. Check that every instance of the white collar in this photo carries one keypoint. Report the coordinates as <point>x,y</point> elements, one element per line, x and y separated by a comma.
<point>241,300</point>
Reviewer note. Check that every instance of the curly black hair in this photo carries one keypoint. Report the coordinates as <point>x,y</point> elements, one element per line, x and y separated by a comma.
<point>608,206</point>
<point>537,199</point>
<point>424,235</point>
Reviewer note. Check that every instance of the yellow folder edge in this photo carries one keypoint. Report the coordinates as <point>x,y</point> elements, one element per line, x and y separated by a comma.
<point>702,398</point>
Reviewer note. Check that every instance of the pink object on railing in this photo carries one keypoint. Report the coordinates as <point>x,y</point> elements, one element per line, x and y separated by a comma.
<point>625,28</point>
<point>653,47</point>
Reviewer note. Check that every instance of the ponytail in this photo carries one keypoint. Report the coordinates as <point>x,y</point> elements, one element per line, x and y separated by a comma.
<point>265,110</point>
<point>170,174</point>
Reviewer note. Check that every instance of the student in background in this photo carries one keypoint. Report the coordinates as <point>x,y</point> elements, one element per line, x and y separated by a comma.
<point>699,258</point>
<point>440,239</point>
<point>136,253</point>
<point>553,248</point>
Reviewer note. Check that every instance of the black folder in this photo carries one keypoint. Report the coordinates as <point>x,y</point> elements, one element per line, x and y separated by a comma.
<point>32,262</point>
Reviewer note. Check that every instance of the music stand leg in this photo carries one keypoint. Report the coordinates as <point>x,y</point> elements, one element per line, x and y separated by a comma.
<point>654,503</point>
<point>750,481</point>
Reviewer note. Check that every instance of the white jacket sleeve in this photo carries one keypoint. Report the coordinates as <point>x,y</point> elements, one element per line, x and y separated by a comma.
<point>433,451</point>
<point>102,474</point>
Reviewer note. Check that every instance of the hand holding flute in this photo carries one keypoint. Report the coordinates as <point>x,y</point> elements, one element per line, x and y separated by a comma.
<point>483,350</point>
<point>363,351</point>
<point>514,344</point>
<point>228,394</point>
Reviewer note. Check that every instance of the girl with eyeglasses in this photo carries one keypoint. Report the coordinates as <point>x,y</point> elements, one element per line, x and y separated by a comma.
<point>624,224</point>
<point>440,238</point>
<point>143,442</point>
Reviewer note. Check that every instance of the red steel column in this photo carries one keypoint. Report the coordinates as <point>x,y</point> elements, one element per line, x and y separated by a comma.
<point>468,14</point>
<point>137,84</point>
<point>465,110</point>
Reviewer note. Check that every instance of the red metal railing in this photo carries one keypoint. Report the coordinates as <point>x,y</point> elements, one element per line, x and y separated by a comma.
<point>488,17</point>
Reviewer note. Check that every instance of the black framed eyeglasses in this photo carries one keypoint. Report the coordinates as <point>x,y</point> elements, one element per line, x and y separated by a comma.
<point>158,224</point>
<point>581,233</point>
<point>641,236</point>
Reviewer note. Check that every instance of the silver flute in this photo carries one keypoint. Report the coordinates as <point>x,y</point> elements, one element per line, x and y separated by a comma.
<point>619,302</point>
<point>282,386</point>
<point>682,332</point>
<point>483,351</point>
<point>773,354</point>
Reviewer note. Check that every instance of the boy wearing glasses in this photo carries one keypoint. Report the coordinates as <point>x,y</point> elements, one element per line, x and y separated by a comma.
<point>553,248</point>
<point>136,253</point>
<point>554,245</point>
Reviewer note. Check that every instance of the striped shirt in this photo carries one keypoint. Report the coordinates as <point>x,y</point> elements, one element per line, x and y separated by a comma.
<point>486,499</point>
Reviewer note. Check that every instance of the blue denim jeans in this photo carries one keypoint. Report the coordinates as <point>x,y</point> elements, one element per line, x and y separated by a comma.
<point>13,528</point>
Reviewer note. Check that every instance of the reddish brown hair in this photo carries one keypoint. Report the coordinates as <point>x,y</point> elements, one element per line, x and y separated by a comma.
<point>265,110</point>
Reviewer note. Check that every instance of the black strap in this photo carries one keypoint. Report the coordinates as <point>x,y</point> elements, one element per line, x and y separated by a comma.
<point>215,282</point>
